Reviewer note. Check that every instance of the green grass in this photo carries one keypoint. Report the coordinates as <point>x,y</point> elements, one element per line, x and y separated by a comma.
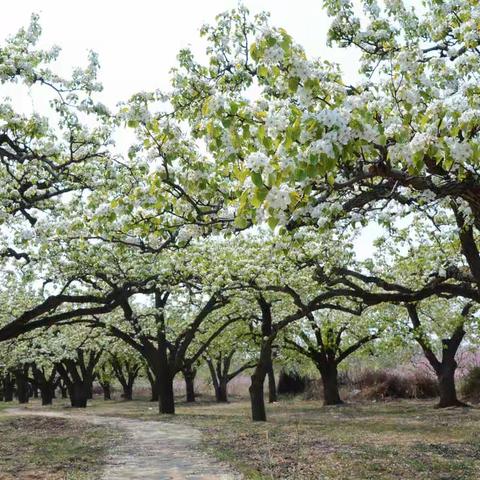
<point>51,448</point>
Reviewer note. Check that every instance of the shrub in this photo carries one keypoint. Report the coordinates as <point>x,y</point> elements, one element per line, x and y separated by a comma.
<point>291,383</point>
<point>313,389</point>
<point>471,385</point>
<point>380,384</point>
<point>423,386</point>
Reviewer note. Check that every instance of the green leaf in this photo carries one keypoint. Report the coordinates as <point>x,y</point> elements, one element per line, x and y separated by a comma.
<point>240,222</point>
<point>293,84</point>
<point>257,179</point>
<point>262,71</point>
<point>259,197</point>
<point>272,222</point>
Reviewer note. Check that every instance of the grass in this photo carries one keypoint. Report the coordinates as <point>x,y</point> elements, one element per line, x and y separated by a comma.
<point>51,448</point>
<point>303,440</point>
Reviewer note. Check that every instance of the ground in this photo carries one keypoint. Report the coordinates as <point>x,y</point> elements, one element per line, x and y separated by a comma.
<point>303,440</point>
<point>33,448</point>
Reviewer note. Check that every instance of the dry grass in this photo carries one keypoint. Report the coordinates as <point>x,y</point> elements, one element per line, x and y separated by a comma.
<point>51,449</point>
<point>302,440</point>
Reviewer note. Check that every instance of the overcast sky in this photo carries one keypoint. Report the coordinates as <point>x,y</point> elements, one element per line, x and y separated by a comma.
<point>138,41</point>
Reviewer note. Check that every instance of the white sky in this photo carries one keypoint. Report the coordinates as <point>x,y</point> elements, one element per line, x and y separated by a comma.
<point>138,41</point>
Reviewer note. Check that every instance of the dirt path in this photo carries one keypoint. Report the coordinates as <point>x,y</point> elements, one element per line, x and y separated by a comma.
<point>151,450</point>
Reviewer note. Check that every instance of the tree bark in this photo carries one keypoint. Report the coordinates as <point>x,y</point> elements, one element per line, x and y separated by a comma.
<point>23,388</point>
<point>219,379</point>
<point>127,392</point>
<point>189,376</point>
<point>63,390</point>
<point>446,385</point>
<point>257,400</point>
<point>107,390</point>
<point>153,386</point>
<point>165,394</point>
<point>446,367</point>
<point>272,386</point>
<point>329,374</point>
<point>79,394</point>
<point>89,383</point>
<point>46,393</point>
<point>221,392</point>
<point>8,388</point>
<point>166,398</point>
<point>264,364</point>
<point>44,381</point>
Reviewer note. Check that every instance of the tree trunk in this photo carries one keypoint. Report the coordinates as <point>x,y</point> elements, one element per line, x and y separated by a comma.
<point>23,389</point>
<point>446,385</point>
<point>107,390</point>
<point>127,392</point>
<point>272,387</point>
<point>165,394</point>
<point>8,388</point>
<point>154,389</point>
<point>221,392</point>
<point>257,400</point>
<point>152,378</point>
<point>8,395</point>
<point>163,372</point>
<point>46,393</point>
<point>63,391</point>
<point>89,386</point>
<point>79,394</point>
<point>329,374</point>
<point>189,376</point>
<point>190,389</point>
<point>34,391</point>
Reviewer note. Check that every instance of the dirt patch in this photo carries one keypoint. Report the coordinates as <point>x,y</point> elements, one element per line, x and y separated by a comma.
<point>49,448</point>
